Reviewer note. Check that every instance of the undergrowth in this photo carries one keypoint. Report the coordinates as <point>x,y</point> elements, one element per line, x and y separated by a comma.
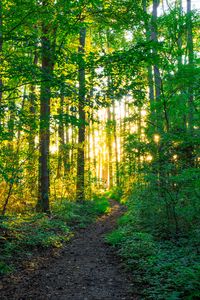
<point>21,234</point>
<point>164,269</point>
<point>115,193</point>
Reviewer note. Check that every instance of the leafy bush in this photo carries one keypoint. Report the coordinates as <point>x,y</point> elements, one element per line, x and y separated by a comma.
<point>168,269</point>
<point>81,214</point>
<point>115,193</point>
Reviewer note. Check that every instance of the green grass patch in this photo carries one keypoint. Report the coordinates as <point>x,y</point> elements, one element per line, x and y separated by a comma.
<point>21,234</point>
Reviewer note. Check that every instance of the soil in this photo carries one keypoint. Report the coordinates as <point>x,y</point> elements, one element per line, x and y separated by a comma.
<point>87,268</point>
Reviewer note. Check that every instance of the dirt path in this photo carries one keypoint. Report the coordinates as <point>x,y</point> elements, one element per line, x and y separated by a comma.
<point>87,269</point>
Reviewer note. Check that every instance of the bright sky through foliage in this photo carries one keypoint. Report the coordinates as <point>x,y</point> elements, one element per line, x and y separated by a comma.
<point>169,4</point>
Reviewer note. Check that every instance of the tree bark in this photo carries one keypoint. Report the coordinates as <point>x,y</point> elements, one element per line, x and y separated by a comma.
<point>157,76</point>
<point>80,185</point>
<point>180,45</point>
<point>1,52</point>
<point>66,146</point>
<point>149,69</point>
<point>32,110</point>
<point>116,146</point>
<point>109,145</point>
<point>44,134</point>
<point>61,137</point>
<point>190,62</point>
<point>154,77</point>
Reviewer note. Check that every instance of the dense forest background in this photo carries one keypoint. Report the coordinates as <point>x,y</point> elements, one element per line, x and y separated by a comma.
<point>103,95</point>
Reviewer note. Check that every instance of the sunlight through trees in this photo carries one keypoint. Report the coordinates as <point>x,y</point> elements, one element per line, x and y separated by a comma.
<point>102,96</point>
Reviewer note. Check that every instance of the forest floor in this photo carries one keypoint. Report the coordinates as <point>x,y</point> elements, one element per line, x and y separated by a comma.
<point>86,268</point>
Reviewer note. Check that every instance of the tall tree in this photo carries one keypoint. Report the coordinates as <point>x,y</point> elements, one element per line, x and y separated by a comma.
<point>1,52</point>
<point>32,108</point>
<point>190,48</point>
<point>80,185</point>
<point>45,96</point>
<point>109,131</point>
<point>61,136</point>
<point>116,145</point>
<point>157,76</point>
<point>148,28</point>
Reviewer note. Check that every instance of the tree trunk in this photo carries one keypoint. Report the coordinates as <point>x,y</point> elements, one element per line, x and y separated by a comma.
<point>44,134</point>
<point>190,61</point>
<point>1,52</point>
<point>80,186</point>
<point>94,151</point>
<point>149,70</point>
<point>139,137</point>
<point>66,153</point>
<point>109,145</point>
<point>157,77</point>
<point>116,146</point>
<point>179,44</point>
<point>32,110</point>
<point>61,138</point>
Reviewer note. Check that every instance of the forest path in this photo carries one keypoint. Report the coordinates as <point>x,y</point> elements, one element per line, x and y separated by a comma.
<point>87,269</point>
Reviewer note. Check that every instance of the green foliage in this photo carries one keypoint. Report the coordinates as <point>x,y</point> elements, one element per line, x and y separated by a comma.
<point>81,214</point>
<point>115,193</point>
<point>21,234</point>
<point>5,268</point>
<point>168,269</point>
